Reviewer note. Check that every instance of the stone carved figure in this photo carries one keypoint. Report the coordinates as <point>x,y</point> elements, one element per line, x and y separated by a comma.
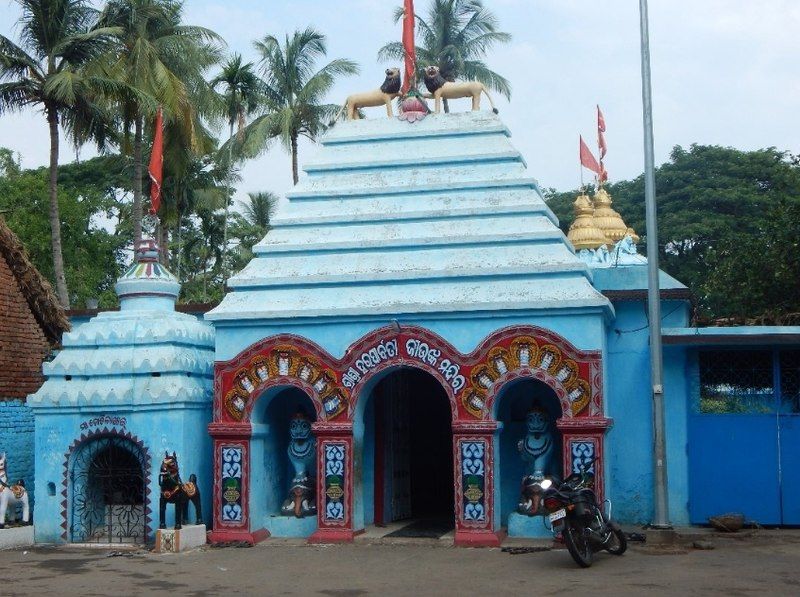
<point>536,449</point>
<point>377,97</point>
<point>11,495</point>
<point>175,491</point>
<point>302,454</point>
<point>440,89</point>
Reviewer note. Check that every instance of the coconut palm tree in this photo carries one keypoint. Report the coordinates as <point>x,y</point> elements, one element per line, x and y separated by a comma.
<point>58,38</point>
<point>293,93</point>
<point>163,59</point>
<point>242,97</point>
<point>455,36</point>
<point>252,224</point>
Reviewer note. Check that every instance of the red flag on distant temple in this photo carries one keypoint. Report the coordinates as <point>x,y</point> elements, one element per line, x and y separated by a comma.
<point>588,161</point>
<point>408,45</point>
<point>601,139</point>
<point>155,170</point>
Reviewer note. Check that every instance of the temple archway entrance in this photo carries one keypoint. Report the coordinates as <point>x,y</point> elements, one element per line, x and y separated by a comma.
<point>108,492</point>
<point>408,455</point>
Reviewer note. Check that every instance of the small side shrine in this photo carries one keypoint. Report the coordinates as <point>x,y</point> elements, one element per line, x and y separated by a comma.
<point>413,306</point>
<point>127,388</point>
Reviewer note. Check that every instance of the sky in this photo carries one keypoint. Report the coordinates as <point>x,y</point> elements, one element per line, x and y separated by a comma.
<point>723,72</point>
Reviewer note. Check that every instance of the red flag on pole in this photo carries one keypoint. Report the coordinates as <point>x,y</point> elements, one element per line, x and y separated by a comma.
<point>408,46</point>
<point>588,160</point>
<point>155,169</point>
<point>601,139</point>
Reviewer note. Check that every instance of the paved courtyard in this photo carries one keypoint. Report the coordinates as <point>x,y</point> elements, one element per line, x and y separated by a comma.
<point>762,562</point>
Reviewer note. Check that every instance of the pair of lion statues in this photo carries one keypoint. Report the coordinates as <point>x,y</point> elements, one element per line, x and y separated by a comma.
<point>439,88</point>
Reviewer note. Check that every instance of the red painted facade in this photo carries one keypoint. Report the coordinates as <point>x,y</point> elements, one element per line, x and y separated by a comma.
<point>335,386</point>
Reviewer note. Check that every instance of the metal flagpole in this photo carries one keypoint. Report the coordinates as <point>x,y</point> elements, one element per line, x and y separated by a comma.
<point>661,514</point>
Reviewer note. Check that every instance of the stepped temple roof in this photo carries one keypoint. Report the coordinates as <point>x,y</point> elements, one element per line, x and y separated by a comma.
<point>145,353</point>
<point>396,218</point>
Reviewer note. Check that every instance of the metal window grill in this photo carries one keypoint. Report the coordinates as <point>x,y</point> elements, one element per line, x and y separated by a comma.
<point>789,362</point>
<point>108,486</point>
<point>736,382</point>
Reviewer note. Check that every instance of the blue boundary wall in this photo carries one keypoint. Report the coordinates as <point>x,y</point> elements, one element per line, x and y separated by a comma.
<point>16,440</point>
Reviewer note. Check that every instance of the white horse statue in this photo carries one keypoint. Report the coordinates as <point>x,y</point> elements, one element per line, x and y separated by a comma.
<point>11,495</point>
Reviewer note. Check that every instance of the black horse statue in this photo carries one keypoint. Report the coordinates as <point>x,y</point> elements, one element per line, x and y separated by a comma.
<point>175,491</point>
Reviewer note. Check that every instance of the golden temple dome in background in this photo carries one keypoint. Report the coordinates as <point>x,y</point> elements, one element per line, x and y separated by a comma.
<point>584,233</point>
<point>609,221</point>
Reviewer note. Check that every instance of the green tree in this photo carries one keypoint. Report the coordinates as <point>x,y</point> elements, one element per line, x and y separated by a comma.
<point>161,62</point>
<point>252,224</point>
<point>712,202</point>
<point>293,93</point>
<point>455,36</point>
<point>242,96</point>
<point>89,201</point>
<point>48,69</point>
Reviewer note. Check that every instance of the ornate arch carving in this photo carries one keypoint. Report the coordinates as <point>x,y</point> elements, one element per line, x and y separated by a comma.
<point>472,381</point>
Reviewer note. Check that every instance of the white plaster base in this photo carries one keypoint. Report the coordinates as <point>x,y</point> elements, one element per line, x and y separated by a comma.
<point>172,541</point>
<point>11,537</point>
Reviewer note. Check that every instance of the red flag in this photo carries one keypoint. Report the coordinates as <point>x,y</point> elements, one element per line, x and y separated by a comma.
<point>155,170</point>
<point>601,139</point>
<point>408,45</point>
<point>587,159</point>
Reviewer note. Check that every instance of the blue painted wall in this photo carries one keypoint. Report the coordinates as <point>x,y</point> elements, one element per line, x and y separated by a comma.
<point>180,428</point>
<point>16,440</point>
<point>629,444</point>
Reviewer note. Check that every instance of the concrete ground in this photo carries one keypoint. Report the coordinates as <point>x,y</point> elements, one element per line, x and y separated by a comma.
<point>750,562</point>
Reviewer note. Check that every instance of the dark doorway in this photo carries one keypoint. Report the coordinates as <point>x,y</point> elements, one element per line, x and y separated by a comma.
<point>108,492</point>
<point>414,453</point>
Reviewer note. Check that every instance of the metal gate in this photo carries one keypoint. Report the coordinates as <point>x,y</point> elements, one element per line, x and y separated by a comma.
<point>744,436</point>
<point>107,488</point>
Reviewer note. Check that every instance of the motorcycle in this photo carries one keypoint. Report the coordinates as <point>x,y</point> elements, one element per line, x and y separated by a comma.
<point>573,512</point>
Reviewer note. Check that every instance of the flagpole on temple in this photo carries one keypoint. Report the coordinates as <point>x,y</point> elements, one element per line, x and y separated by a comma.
<point>660,497</point>
<point>156,171</point>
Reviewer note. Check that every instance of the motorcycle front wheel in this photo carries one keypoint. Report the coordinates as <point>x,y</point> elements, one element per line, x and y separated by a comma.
<point>578,544</point>
<point>617,543</point>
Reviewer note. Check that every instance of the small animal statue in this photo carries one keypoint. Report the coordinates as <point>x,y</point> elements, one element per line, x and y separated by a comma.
<point>440,89</point>
<point>175,491</point>
<point>536,449</point>
<point>11,495</point>
<point>378,97</point>
<point>302,454</point>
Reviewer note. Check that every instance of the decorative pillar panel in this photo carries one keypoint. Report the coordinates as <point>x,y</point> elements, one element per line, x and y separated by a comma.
<point>335,456</point>
<point>473,451</point>
<point>231,510</point>
<point>472,487</point>
<point>231,501</point>
<point>334,483</point>
<point>583,442</point>
<point>232,475</point>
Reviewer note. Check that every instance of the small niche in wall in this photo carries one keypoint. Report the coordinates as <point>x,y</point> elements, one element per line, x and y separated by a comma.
<point>51,488</point>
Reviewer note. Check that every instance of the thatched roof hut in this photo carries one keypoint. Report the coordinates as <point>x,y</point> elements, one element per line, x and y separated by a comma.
<point>38,292</point>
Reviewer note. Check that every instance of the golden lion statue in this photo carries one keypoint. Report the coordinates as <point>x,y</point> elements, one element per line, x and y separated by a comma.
<point>378,97</point>
<point>440,89</point>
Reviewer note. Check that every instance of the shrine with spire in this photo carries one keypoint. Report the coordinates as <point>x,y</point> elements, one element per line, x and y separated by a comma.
<point>413,338</point>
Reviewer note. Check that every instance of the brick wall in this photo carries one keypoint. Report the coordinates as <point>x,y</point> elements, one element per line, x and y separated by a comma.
<point>23,345</point>
<point>16,440</point>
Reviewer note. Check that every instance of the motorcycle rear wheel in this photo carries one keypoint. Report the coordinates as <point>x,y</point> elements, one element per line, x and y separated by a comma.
<point>618,543</point>
<point>578,544</point>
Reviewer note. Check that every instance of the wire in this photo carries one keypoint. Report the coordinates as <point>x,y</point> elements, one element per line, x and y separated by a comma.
<point>644,327</point>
